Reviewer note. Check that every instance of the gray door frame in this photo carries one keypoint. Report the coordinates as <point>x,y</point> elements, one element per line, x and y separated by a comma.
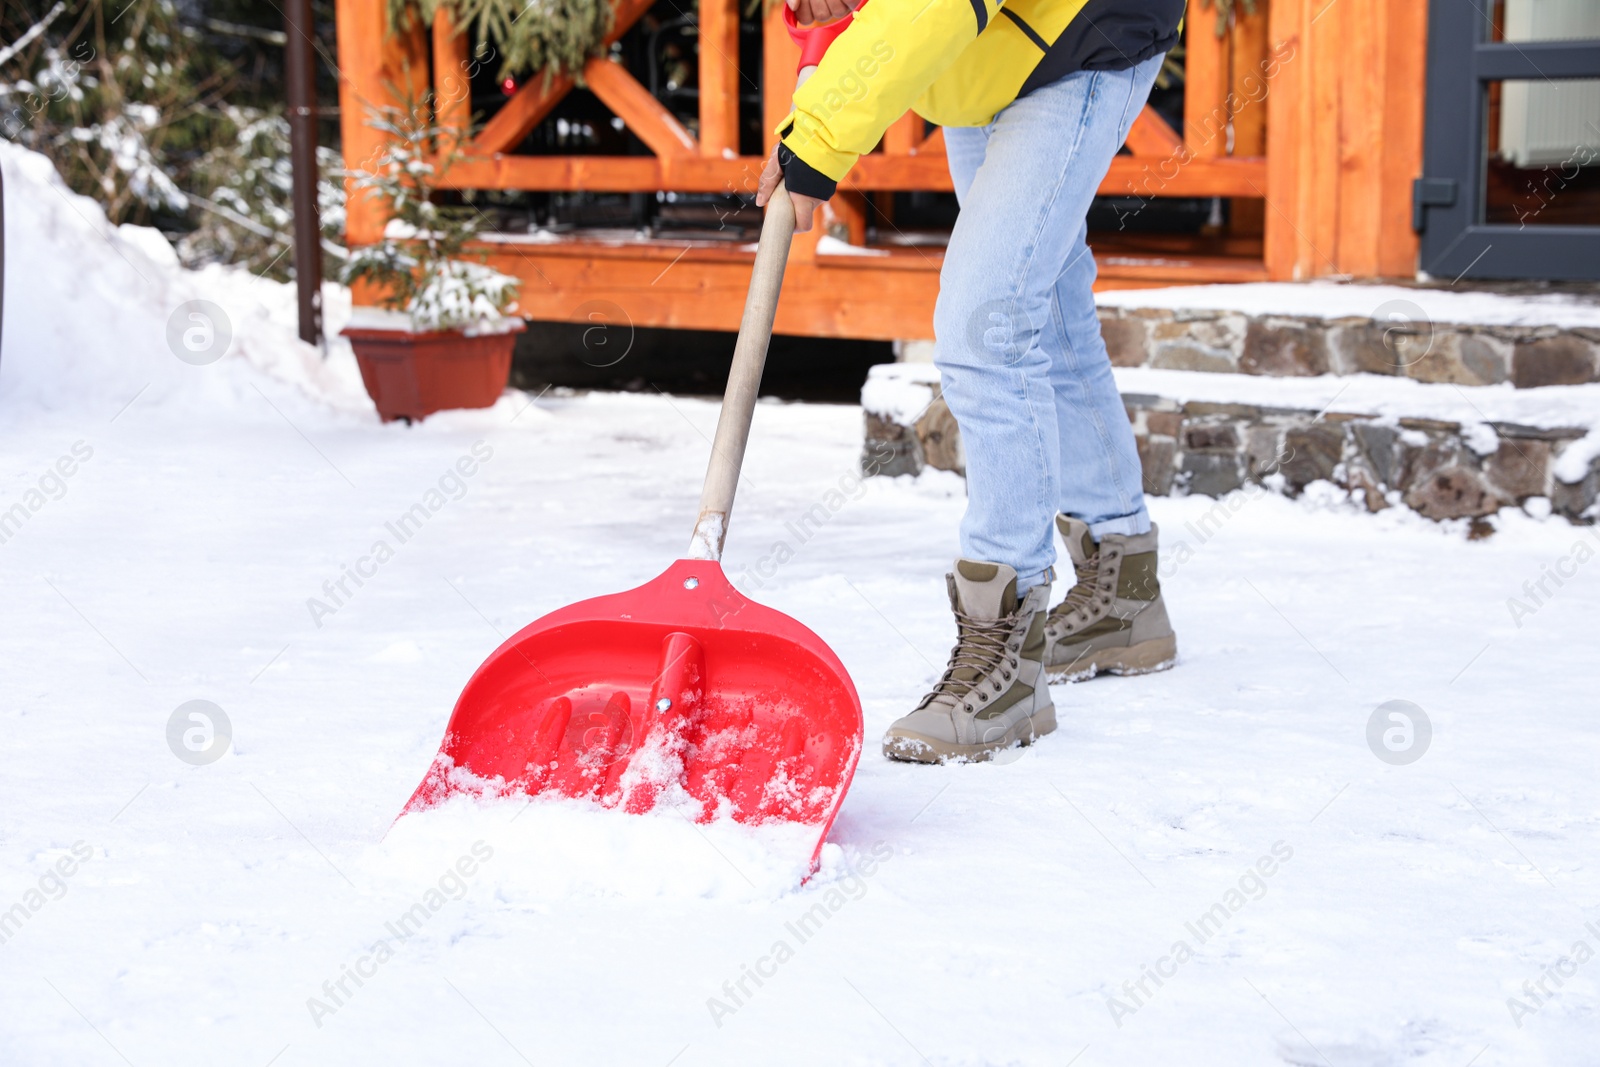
<point>1447,201</point>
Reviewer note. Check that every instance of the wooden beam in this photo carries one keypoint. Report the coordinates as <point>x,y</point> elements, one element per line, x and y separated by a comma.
<point>779,56</point>
<point>377,69</point>
<point>518,116</point>
<point>1121,271</point>
<point>530,104</point>
<point>1128,176</point>
<point>1405,70</point>
<point>643,113</point>
<point>1359,132</point>
<point>1177,176</point>
<point>1318,202</point>
<point>1247,82</point>
<point>1288,112</point>
<point>1205,83</point>
<point>847,210</point>
<point>904,137</point>
<point>719,77</point>
<point>1247,100</point>
<point>1152,135</point>
<point>702,286</point>
<point>663,284</point>
<point>452,81</point>
<point>600,174</point>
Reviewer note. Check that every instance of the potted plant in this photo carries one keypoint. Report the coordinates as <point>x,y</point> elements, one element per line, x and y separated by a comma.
<point>444,335</point>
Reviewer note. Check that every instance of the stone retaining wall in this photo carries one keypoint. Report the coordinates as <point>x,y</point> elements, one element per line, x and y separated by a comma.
<point>1440,469</point>
<point>1405,345</point>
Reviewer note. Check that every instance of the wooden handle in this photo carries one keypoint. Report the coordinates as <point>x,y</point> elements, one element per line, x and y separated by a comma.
<point>744,378</point>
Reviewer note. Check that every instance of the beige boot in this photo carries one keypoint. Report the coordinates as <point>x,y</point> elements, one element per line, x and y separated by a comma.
<point>994,694</point>
<point>1113,619</point>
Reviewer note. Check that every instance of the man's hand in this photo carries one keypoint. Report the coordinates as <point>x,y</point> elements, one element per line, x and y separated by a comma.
<point>804,206</point>
<point>810,12</point>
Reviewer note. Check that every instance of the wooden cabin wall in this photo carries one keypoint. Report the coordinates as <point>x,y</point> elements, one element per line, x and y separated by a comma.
<point>1344,137</point>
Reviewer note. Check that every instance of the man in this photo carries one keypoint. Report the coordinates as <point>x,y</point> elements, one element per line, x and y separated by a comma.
<point>1035,98</point>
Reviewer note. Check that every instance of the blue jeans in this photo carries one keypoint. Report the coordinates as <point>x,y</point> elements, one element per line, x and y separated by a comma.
<point>1019,351</point>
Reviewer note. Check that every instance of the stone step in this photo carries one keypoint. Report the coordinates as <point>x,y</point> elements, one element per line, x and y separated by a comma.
<point>1443,450</point>
<point>1308,329</point>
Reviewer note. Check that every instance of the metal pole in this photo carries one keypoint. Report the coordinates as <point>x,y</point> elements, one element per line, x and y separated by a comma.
<point>300,73</point>
<point>2,258</point>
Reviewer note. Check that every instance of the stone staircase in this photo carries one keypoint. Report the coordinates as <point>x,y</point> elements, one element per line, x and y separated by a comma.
<point>1450,420</point>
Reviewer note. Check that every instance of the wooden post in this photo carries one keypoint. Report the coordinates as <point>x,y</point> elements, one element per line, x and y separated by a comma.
<point>719,77</point>
<point>904,137</point>
<point>1248,88</point>
<point>1205,85</point>
<point>376,69</point>
<point>1405,80</point>
<point>849,211</point>
<point>1344,137</point>
<point>1288,116</point>
<point>452,82</point>
<point>779,56</point>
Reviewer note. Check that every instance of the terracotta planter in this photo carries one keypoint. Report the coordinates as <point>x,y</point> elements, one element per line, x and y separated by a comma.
<point>412,375</point>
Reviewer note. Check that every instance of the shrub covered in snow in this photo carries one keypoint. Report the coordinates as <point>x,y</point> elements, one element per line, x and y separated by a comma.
<point>418,264</point>
<point>242,186</point>
<point>161,114</point>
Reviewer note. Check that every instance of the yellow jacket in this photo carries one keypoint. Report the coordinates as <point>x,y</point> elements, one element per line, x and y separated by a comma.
<point>955,63</point>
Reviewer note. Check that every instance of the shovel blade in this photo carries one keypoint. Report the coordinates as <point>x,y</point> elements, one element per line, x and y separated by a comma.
<point>681,692</point>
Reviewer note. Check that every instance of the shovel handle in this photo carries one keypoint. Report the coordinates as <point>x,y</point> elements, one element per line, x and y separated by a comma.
<point>744,378</point>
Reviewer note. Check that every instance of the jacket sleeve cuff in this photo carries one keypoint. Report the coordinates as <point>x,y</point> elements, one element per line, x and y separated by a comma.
<point>801,177</point>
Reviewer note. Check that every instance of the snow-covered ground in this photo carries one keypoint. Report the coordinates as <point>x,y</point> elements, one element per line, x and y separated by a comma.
<point>1207,866</point>
<point>1333,300</point>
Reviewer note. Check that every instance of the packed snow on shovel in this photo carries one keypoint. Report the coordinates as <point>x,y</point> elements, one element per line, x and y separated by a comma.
<point>549,848</point>
<point>682,692</point>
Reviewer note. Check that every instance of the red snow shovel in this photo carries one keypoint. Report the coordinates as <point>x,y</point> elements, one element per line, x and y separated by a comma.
<point>681,690</point>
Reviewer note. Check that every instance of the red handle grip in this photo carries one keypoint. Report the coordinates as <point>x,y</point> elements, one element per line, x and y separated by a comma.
<point>814,40</point>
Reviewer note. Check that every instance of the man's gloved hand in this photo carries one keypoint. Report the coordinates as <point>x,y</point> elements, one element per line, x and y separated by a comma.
<point>804,206</point>
<point>810,12</point>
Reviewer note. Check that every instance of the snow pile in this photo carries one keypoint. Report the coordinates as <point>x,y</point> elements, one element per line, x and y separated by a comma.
<point>899,392</point>
<point>553,848</point>
<point>464,294</point>
<point>1335,300</point>
<point>1550,407</point>
<point>98,315</point>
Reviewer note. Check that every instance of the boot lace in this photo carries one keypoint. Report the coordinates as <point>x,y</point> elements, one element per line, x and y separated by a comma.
<point>1082,595</point>
<point>982,645</point>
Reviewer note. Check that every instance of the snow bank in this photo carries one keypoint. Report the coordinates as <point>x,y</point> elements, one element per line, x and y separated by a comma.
<point>1551,406</point>
<point>98,316</point>
<point>1333,300</point>
<point>899,392</point>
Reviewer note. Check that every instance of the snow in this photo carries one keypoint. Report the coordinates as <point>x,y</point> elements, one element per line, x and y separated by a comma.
<point>259,908</point>
<point>1333,300</point>
<point>1572,465</point>
<point>899,392</point>
<point>829,245</point>
<point>1547,407</point>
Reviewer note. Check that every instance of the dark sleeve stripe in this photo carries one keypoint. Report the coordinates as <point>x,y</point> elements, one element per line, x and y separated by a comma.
<point>1027,30</point>
<point>982,12</point>
<point>801,177</point>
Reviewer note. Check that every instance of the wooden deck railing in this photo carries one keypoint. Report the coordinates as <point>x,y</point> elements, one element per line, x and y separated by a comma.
<point>1284,62</point>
